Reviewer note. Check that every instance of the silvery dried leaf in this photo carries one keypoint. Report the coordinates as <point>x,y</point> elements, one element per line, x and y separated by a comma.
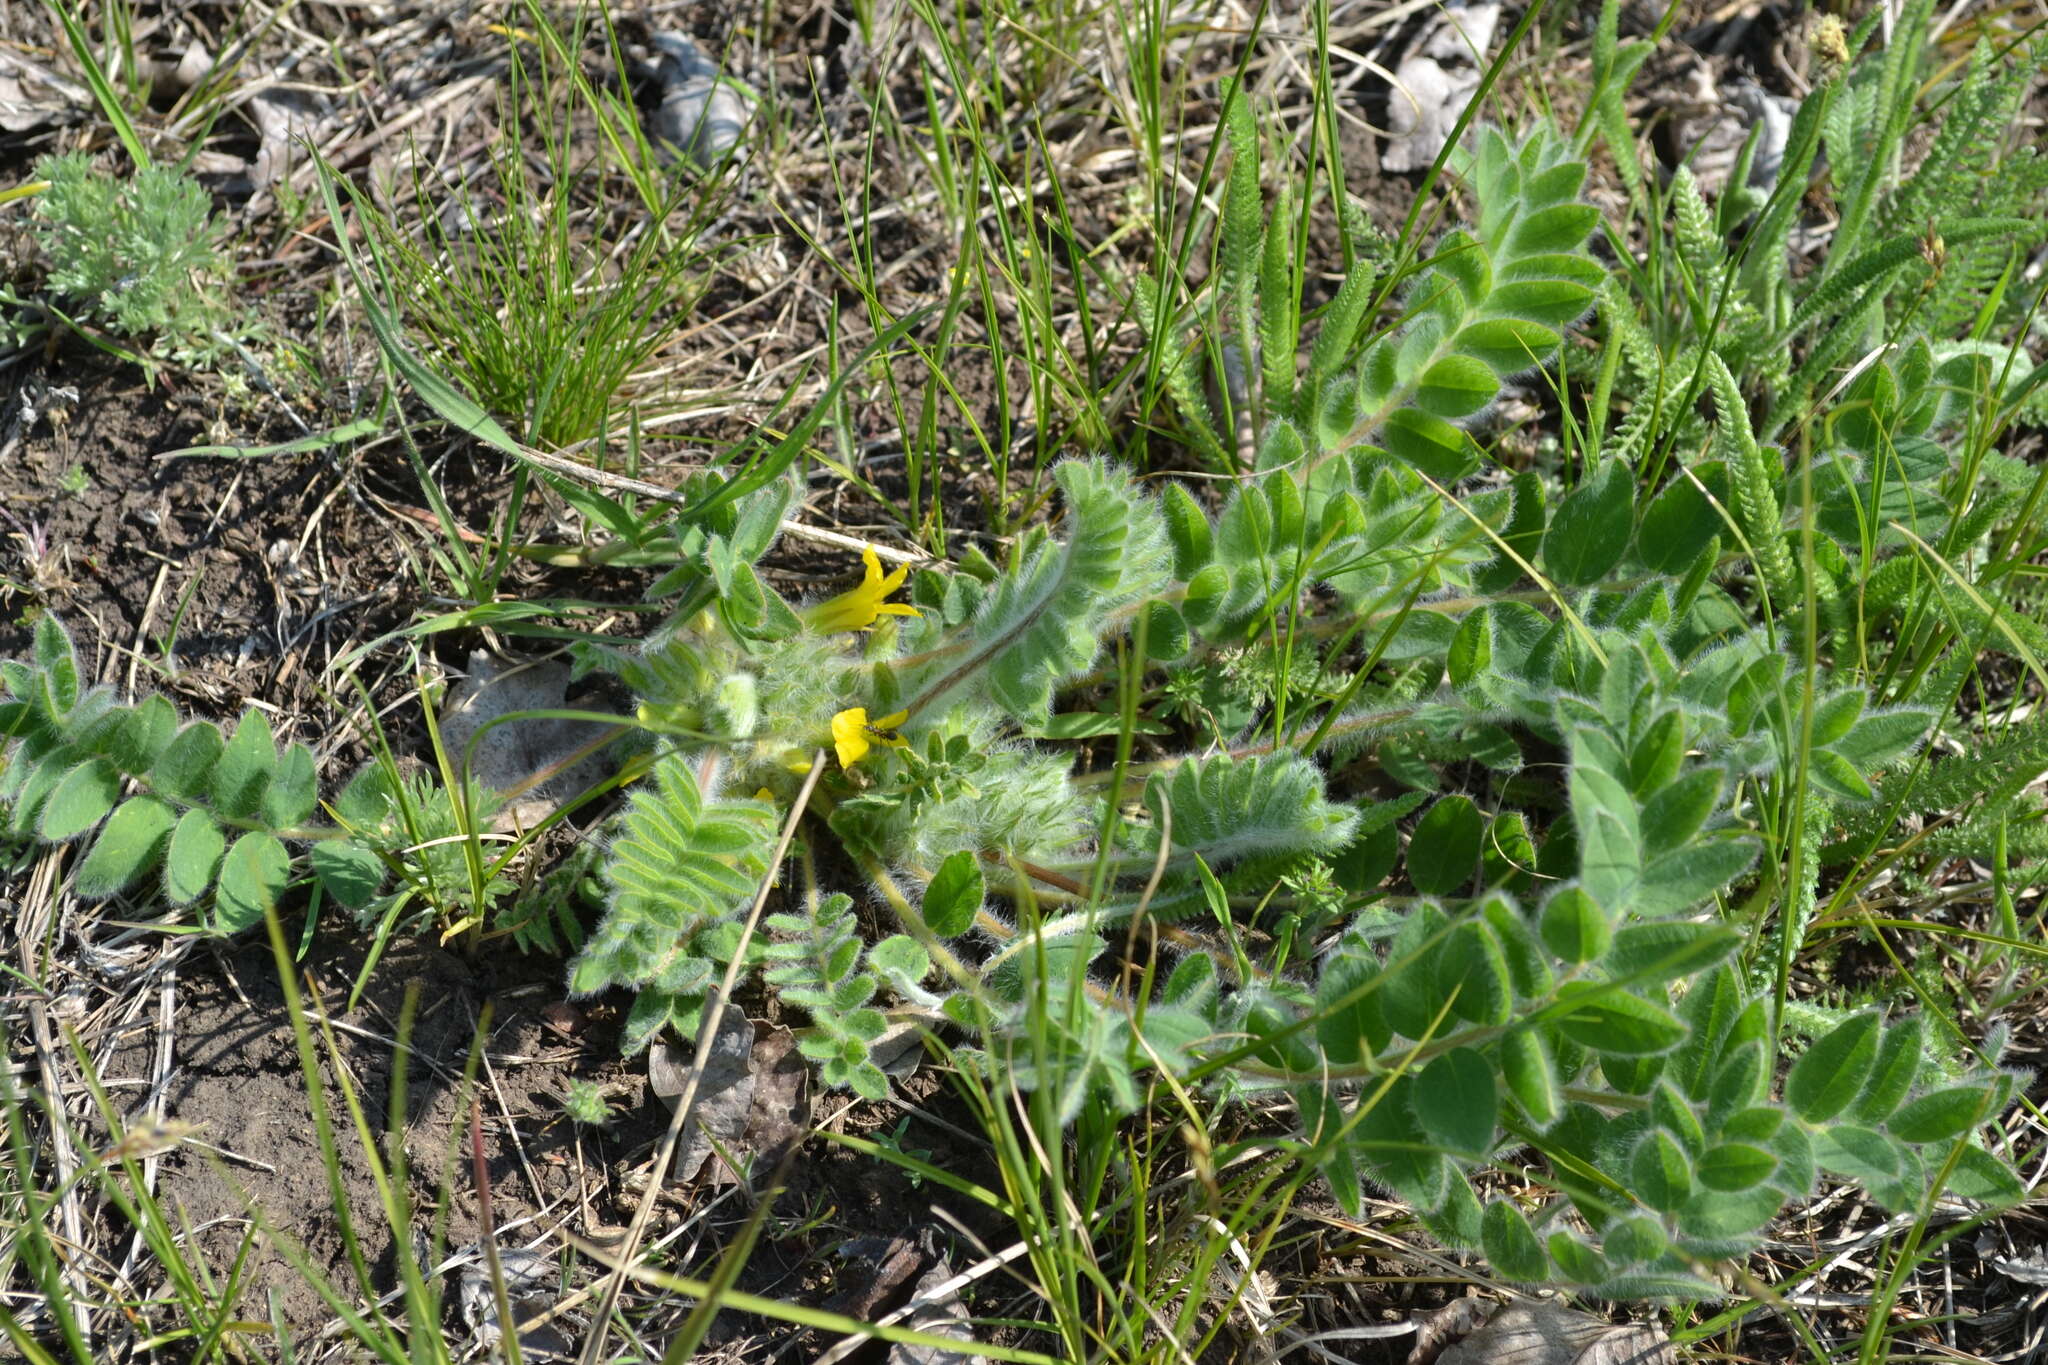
<point>1710,123</point>
<point>1771,115</point>
<point>537,758</point>
<point>941,1315</point>
<point>899,1049</point>
<point>283,118</point>
<point>529,1289</point>
<point>703,110</point>
<point>171,74</point>
<point>33,96</point>
<point>1433,84</point>
<point>1463,34</point>
<point>725,1094</point>
<point>2025,1269</point>
<point>527,1273</point>
<point>1549,1334</point>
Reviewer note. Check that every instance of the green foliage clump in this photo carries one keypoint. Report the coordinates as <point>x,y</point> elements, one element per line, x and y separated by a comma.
<point>1472,814</point>
<point>136,256</point>
<point>543,305</point>
<point>414,827</point>
<point>680,869</point>
<point>584,1103</point>
<point>150,797</point>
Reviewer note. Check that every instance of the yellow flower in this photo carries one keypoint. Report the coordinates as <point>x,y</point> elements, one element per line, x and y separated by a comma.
<point>857,608</point>
<point>853,736</point>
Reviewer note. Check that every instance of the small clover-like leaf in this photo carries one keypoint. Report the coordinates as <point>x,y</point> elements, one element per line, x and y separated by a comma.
<point>1508,346</point>
<point>1734,1166</point>
<point>1472,973</point>
<point>1663,950</point>
<point>1574,927</point>
<point>1187,527</point>
<point>1444,850</point>
<point>294,788</point>
<point>1456,386</point>
<point>193,858</point>
<point>1613,1021</point>
<point>1834,717</point>
<point>1531,1075</point>
<point>1576,1261</point>
<point>1836,775</point>
<point>1562,227</point>
<point>1881,738</point>
<point>144,733</point>
<point>349,872</point>
<point>185,767</point>
<point>1444,452</point>
<point>253,877</point>
<point>243,771</point>
<point>1589,530</point>
<point>1983,1177</point>
<point>1680,521</point>
<point>1634,1241</point>
<point>1677,811</point>
<point>57,663</point>
<point>1350,1023</point>
<point>1940,1114</point>
<point>1893,1073</point>
<point>1529,968</point>
<point>1659,1173</point>
<point>1860,1153</point>
<point>1553,303</point>
<point>900,961</point>
<point>80,801</point>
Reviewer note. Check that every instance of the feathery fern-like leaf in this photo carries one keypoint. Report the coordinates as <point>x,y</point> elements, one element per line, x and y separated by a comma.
<point>1265,807</point>
<point>679,866</point>
<point>815,962</point>
<point>1042,622</point>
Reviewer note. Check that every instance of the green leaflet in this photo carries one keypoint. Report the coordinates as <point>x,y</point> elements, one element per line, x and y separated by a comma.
<point>253,876</point>
<point>128,849</point>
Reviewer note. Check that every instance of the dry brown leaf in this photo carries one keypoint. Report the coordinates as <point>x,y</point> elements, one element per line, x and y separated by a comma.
<point>1546,1334</point>
<point>725,1094</point>
<point>876,1269</point>
<point>941,1315</point>
<point>781,1114</point>
<point>1434,83</point>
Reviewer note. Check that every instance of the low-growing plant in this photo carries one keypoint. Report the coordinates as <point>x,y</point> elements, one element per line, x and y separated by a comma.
<point>207,814</point>
<point>584,1103</point>
<point>1472,812</point>
<point>135,257</point>
<point>541,304</point>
